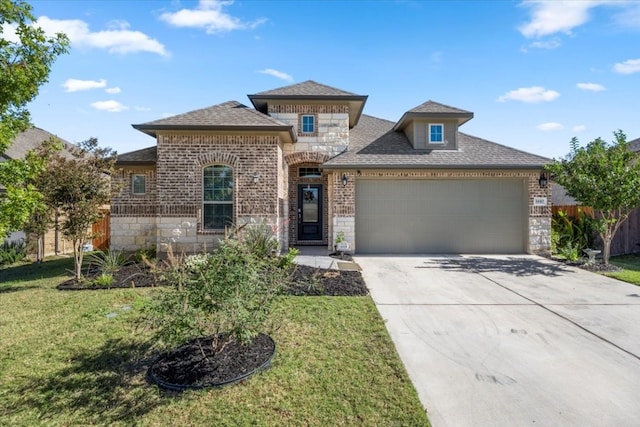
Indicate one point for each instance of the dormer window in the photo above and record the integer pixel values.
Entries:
(308, 124)
(436, 134)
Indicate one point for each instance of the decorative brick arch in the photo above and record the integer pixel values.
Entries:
(218, 157)
(305, 157)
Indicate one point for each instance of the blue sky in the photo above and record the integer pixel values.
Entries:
(534, 73)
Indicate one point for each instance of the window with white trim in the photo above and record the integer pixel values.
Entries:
(138, 184)
(436, 133)
(217, 197)
(308, 124)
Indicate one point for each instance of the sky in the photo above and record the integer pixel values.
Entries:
(535, 74)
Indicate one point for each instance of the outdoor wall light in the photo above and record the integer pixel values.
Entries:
(255, 178)
(542, 180)
(344, 179)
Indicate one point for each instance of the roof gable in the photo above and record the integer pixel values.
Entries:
(308, 88)
(311, 92)
(433, 110)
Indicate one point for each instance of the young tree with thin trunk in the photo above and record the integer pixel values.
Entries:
(26, 57)
(77, 189)
(605, 177)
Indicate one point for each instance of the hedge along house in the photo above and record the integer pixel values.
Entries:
(308, 161)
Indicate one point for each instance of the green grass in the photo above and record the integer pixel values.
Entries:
(63, 361)
(631, 268)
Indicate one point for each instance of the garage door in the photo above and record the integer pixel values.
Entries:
(440, 216)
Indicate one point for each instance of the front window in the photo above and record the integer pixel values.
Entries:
(138, 184)
(217, 198)
(309, 173)
(308, 124)
(436, 134)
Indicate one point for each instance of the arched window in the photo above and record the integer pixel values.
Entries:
(217, 197)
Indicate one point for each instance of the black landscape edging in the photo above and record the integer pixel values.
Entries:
(182, 387)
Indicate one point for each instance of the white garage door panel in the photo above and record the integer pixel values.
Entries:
(440, 216)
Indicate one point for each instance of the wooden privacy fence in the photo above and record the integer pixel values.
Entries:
(102, 232)
(627, 239)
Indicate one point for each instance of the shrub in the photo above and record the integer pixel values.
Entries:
(108, 262)
(226, 295)
(12, 252)
(570, 235)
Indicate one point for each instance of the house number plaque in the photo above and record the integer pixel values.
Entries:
(539, 201)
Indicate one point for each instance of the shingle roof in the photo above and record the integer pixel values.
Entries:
(635, 145)
(31, 139)
(230, 113)
(374, 144)
(144, 156)
(311, 90)
(308, 88)
(559, 196)
(435, 107)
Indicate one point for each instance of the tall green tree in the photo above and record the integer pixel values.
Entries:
(77, 189)
(605, 176)
(26, 57)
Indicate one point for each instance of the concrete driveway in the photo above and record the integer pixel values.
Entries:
(512, 340)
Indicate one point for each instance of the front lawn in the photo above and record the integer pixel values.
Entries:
(631, 268)
(79, 358)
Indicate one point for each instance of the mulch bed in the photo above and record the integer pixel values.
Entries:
(307, 281)
(129, 276)
(313, 281)
(596, 267)
(194, 365)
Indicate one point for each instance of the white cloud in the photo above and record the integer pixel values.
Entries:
(138, 108)
(278, 74)
(116, 39)
(530, 95)
(551, 126)
(111, 106)
(545, 44)
(629, 17)
(593, 87)
(209, 16)
(75, 85)
(550, 17)
(579, 128)
(629, 66)
(114, 89)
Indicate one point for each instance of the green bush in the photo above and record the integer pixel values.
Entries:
(108, 262)
(570, 235)
(227, 295)
(12, 252)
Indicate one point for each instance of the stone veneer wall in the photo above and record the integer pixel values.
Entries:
(539, 218)
(332, 127)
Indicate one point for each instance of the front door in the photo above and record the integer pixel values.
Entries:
(310, 212)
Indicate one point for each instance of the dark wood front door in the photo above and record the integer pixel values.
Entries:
(309, 212)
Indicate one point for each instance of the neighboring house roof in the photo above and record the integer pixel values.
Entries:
(228, 116)
(311, 91)
(434, 110)
(375, 144)
(30, 140)
(635, 145)
(559, 196)
(144, 156)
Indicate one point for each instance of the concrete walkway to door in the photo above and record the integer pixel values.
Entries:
(512, 340)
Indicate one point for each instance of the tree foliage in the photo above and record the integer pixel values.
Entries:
(77, 189)
(605, 176)
(26, 57)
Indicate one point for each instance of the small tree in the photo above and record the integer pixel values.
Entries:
(77, 188)
(25, 63)
(605, 177)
